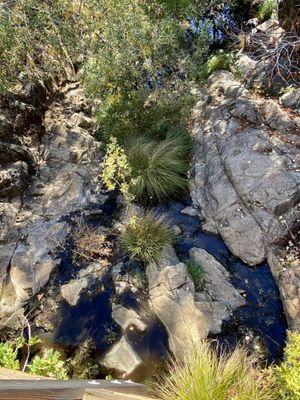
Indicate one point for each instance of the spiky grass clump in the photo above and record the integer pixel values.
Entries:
(288, 372)
(205, 376)
(145, 237)
(158, 169)
(197, 274)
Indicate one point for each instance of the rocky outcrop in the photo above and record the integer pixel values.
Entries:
(187, 317)
(247, 171)
(42, 183)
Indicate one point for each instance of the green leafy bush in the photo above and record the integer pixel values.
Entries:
(288, 373)
(50, 364)
(197, 274)
(267, 8)
(205, 376)
(145, 237)
(116, 170)
(218, 61)
(9, 354)
(158, 168)
(38, 39)
(152, 114)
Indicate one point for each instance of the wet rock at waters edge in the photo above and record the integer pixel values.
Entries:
(86, 278)
(247, 171)
(121, 359)
(127, 318)
(217, 279)
(187, 317)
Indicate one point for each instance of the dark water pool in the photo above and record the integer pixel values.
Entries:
(259, 323)
(262, 320)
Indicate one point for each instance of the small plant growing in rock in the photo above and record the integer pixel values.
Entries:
(288, 373)
(197, 274)
(218, 61)
(145, 237)
(50, 364)
(111, 336)
(91, 245)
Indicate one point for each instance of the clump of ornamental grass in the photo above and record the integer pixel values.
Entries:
(288, 373)
(197, 274)
(145, 237)
(204, 375)
(158, 169)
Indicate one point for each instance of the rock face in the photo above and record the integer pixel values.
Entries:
(188, 318)
(247, 170)
(44, 179)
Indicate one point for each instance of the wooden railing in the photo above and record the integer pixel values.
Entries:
(16, 385)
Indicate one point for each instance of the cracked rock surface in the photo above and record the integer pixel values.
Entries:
(247, 176)
(45, 177)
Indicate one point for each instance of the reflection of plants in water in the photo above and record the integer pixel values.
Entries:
(111, 335)
(81, 364)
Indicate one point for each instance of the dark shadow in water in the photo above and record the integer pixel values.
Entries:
(263, 316)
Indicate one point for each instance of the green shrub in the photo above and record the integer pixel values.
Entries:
(49, 365)
(218, 61)
(9, 354)
(267, 8)
(116, 170)
(197, 274)
(158, 169)
(205, 376)
(145, 237)
(38, 39)
(151, 114)
(288, 373)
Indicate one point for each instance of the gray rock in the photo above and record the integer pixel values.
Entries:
(172, 298)
(86, 278)
(13, 178)
(72, 290)
(191, 211)
(122, 359)
(66, 180)
(291, 100)
(247, 168)
(216, 279)
(216, 312)
(127, 318)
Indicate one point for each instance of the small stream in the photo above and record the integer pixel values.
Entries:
(259, 324)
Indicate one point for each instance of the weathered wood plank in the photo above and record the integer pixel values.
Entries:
(61, 390)
(112, 395)
(10, 374)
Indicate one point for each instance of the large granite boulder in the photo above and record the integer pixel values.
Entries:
(188, 317)
(247, 169)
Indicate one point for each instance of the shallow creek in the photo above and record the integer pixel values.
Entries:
(260, 324)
